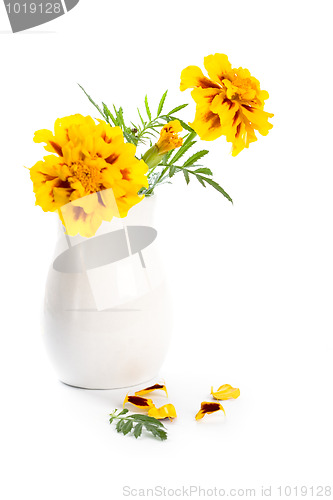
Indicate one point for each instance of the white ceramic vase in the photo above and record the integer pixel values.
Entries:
(106, 320)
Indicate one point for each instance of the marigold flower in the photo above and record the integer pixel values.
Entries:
(208, 407)
(225, 392)
(229, 102)
(166, 411)
(139, 402)
(169, 137)
(92, 175)
(167, 141)
(152, 388)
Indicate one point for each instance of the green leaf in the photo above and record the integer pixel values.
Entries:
(178, 108)
(108, 114)
(187, 177)
(167, 156)
(120, 425)
(145, 418)
(120, 116)
(92, 101)
(127, 427)
(161, 104)
(147, 108)
(136, 422)
(172, 171)
(200, 180)
(137, 430)
(195, 157)
(190, 137)
(181, 151)
(142, 120)
(160, 433)
(217, 187)
(123, 412)
(205, 171)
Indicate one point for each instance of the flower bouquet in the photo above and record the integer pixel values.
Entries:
(103, 287)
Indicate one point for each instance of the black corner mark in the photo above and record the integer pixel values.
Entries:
(25, 14)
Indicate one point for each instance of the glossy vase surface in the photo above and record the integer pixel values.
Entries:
(106, 318)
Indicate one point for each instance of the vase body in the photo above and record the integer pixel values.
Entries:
(106, 318)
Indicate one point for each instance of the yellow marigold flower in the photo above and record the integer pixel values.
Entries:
(169, 137)
(92, 175)
(166, 411)
(152, 388)
(208, 407)
(142, 403)
(229, 102)
(167, 141)
(225, 392)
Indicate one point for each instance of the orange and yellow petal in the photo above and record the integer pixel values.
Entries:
(169, 138)
(152, 388)
(76, 221)
(217, 67)
(207, 124)
(205, 97)
(166, 411)
(139, 402)
(208, 408)
(225, 392)
(192, 77)
(258, 119)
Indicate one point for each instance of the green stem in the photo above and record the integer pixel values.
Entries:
(152, 157)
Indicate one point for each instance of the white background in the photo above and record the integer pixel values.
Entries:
(252, 282)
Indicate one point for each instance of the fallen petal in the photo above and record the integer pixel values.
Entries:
(166, 411)
(225, 392)
(207, 408)
(138, 402)
(152, 388)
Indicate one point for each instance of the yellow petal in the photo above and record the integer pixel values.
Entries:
(225, 392)
(152, 388)
(208, 407)
(139, 402)
(43, 135)
(192, 77)
(205, 96)
(166, 411)
(88, 203)
(207, 124)
(217, 66)
(169, 139)
(258, 119)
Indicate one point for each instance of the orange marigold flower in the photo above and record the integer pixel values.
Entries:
(152, 388)
(225, 392)
(169, 137)
(229, 102)
(208, 407)
(92, 174)
(166, 411)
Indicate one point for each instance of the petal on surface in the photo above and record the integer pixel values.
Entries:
(225, 392)
(207, 407)
(139, 402)
(152, 388)
(166, 411)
